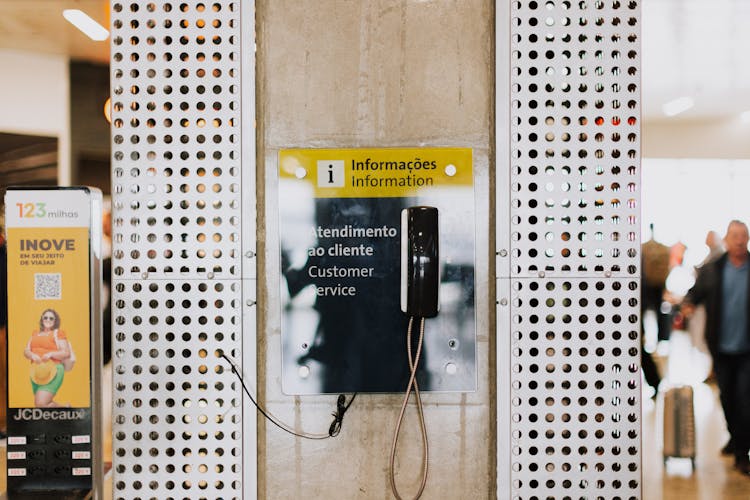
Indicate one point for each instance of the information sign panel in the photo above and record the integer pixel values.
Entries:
(341, 241)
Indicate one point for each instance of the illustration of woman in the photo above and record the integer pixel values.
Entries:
(46, 350)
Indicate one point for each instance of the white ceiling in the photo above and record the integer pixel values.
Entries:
(695, 48)
(38, 26)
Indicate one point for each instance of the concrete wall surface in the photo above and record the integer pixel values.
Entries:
(380, 73)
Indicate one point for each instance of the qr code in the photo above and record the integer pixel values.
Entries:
(47, 286)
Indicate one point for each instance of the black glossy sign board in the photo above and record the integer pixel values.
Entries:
(340, 214)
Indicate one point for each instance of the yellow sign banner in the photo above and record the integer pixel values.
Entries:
(49, 320)
(376, 173)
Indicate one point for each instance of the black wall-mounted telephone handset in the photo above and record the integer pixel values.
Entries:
(420, 280)
(420, 262)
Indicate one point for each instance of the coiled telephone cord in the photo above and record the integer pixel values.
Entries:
(413, 364)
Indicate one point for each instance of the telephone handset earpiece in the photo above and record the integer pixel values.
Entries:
(420, 261)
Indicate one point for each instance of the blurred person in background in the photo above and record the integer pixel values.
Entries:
(697, 324)
(715, 247)
(723, 286)
(655, 258)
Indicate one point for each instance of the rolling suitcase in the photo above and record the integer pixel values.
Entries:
(679, 424)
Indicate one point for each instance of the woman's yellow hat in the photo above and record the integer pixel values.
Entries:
(43, 373)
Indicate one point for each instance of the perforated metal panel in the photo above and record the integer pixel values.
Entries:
(177, 267)
(575, 389)
(567, 209)
(568, 314)
(575, 138)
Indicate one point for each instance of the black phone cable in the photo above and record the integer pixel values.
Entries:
(333, 430)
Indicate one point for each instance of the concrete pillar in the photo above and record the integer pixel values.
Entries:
(380, 73)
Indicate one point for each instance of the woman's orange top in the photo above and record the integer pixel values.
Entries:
(43, 344)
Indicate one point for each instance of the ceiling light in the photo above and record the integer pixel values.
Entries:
(677, 106)
(88, 26)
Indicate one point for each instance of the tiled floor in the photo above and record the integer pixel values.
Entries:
(713, 478)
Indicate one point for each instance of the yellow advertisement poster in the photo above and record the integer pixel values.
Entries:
(48, 300)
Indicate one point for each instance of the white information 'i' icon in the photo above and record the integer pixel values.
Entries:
(330, 173)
